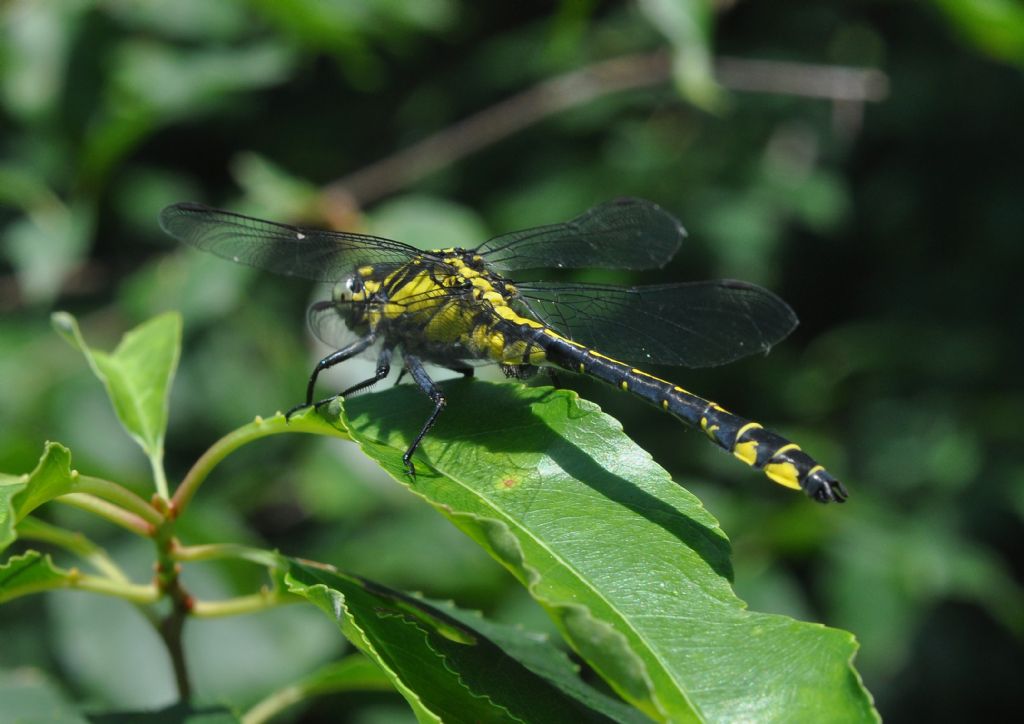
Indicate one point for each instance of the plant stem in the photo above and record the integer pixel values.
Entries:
(242, 604)
(308, 422)
(133, 592)
(156, 462)
(119, 495)
(111, 512)
(84, 582)
(168, 580)
(170, 630)
(219, 551)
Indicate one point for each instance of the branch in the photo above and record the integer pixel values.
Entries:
(836, 83)
(808, 80)
(501, 120)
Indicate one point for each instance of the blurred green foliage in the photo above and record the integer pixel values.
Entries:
(892, 228)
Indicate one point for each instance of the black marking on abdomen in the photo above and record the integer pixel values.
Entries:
(781, 460)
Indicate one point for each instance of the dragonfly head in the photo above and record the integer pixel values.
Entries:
(347, 296)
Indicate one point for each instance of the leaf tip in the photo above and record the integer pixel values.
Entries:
(64, 323)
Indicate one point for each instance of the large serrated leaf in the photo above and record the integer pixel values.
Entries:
(453, 665)
(631, 567)
(137, 374)
(20, 495)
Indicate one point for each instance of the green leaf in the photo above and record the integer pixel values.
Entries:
(426, 221)
(10, 486)
(452, 665)
(20, 495)
(353, 673)
(31, 572)
(47, 243)
(629, 565)
(270, 190)
(995, 26)
(137, 376)
(687, 26)
(28, 696)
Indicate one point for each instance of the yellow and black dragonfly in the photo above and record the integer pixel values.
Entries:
(456, 308)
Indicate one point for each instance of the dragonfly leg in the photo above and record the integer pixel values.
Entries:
(327, 362)
(383, 369)
(466, 371)
(430, 388)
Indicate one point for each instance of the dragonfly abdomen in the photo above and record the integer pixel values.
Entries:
(780, 459)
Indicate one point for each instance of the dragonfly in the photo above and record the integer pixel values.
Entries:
(457, 308)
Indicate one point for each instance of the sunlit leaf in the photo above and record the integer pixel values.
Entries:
(10, 486)
(137, 374)
(995, 26)
(30, 572)
(629, 565)
(20, 495)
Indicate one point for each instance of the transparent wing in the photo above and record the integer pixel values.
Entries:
(328, 325)
(620, 234)
(700, 324)
(324, 256)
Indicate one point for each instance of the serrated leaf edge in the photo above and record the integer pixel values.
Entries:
(339, 609)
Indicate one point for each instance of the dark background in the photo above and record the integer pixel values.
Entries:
(891, 223)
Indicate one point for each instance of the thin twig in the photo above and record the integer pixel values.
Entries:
(251, 603)
(113, 513)
(120, 496)
(835, 83)
(501, 120)
(808, 80)
(221, 551)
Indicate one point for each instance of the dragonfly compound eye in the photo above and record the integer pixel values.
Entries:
(344, 290)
